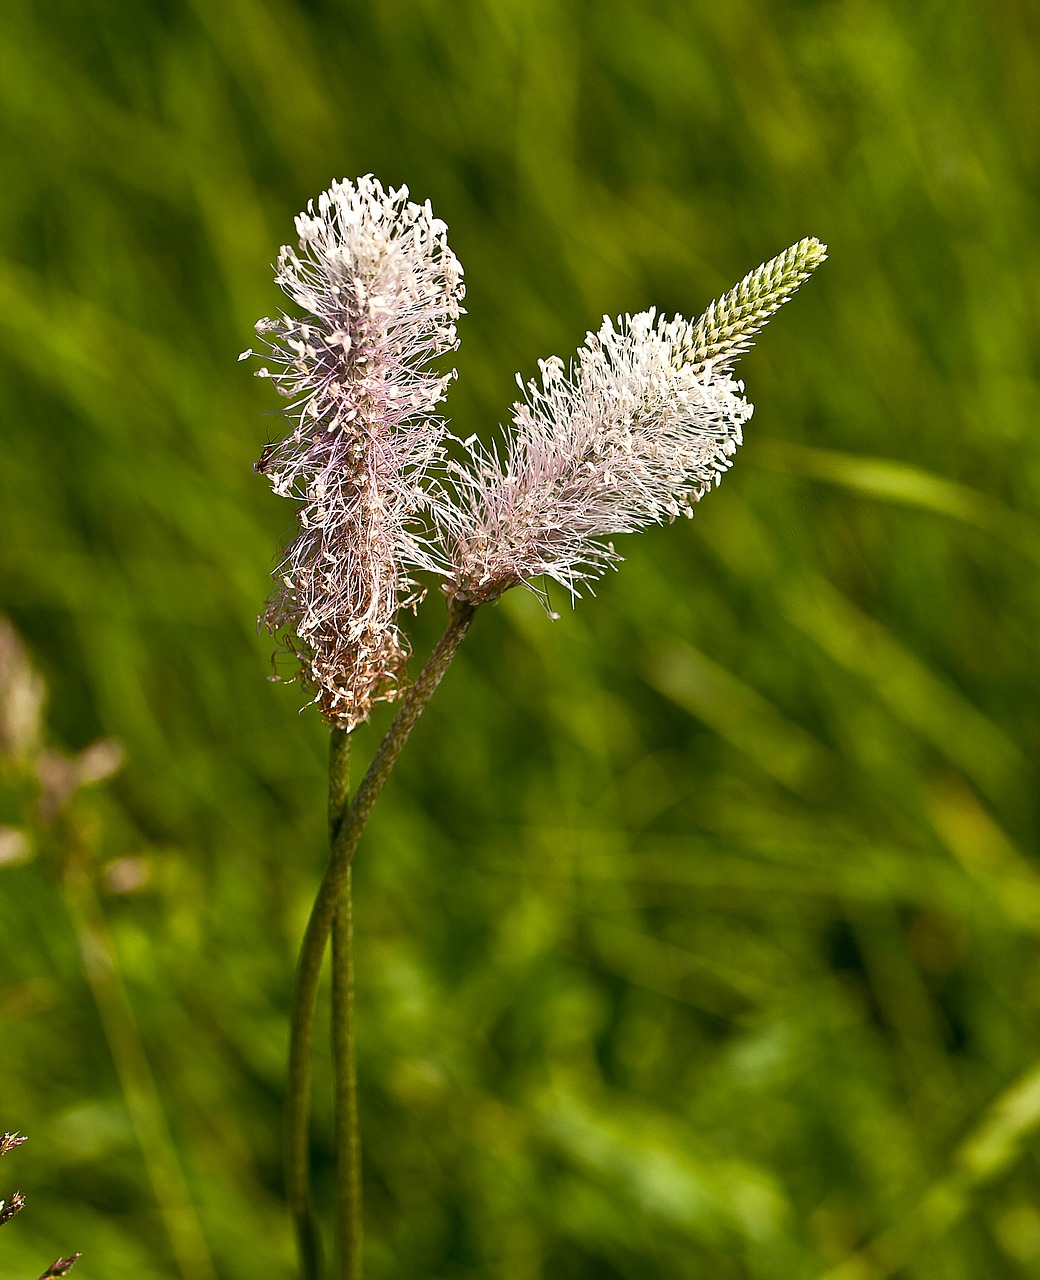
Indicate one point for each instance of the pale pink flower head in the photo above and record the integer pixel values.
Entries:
(382, 292)
(640, 426)
(621, 440)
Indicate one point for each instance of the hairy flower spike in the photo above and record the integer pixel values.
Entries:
(383, 292)
(643, 423)
(725, 330)
(627, 437)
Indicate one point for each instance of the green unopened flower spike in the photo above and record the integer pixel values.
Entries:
(725, 330)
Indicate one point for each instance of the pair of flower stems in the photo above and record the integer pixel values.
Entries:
(641, 424)
(331, 916)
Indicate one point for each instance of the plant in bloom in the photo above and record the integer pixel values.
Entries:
(640, 425)
(643, 423)
(382, 292)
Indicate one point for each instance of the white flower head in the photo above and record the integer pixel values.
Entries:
(621, 440)
(382, 291)
(641, 425)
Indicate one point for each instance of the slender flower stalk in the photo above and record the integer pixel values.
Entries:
(320, 924)
(344, 1055)
(344, 1048)
(344, 1069)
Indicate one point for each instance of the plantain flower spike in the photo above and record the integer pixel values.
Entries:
(643, 423)
(382, 292)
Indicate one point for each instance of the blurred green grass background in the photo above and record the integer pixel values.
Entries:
(698, 930)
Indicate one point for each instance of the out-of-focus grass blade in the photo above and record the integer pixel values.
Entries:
(994, 1144)
(987, 853)
(749, 722)
(905, 485)
(655, 1162)
(911, 691)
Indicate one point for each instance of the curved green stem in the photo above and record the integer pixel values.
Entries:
(319, 926)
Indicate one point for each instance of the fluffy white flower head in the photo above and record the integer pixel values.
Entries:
(382, 292)
(641, 425)
(623, 439)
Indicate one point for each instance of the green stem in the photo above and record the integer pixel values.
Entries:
(344, 1052)
(339, 779)
(344, 1055)
(308, 1235)
(319, 926)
